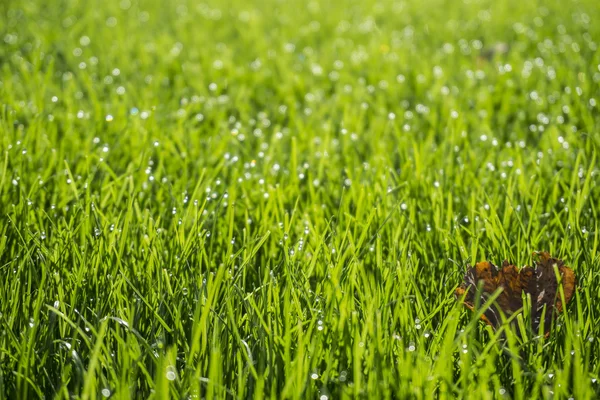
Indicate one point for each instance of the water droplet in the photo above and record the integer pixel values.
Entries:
(171, 375)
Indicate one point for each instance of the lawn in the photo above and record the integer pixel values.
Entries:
(277, 199)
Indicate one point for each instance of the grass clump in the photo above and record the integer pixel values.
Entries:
(278, 199)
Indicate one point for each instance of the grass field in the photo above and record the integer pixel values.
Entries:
(278, 198)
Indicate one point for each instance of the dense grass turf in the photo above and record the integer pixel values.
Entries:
(278, 199)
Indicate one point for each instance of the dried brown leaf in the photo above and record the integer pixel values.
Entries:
(539, 282)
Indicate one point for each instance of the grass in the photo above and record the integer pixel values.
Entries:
(278, 199)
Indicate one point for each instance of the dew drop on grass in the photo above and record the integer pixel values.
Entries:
(411, 347)
(314, 375)
(171, 375)
(106, 392)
